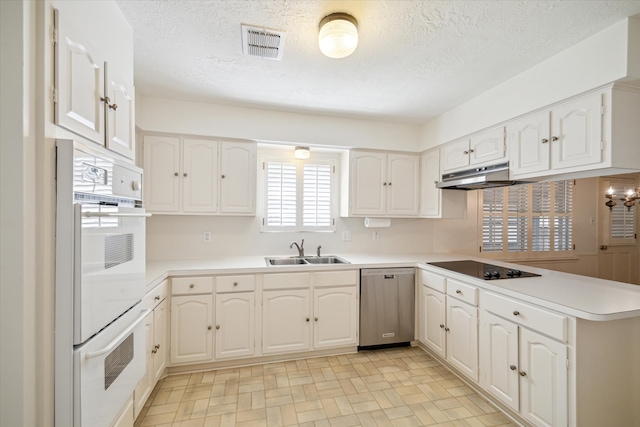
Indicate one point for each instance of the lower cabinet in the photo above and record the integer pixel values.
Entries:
(191, 328)
(286, 321)
(462, 336)
(235, 316)
(335, 317)
(525, 370)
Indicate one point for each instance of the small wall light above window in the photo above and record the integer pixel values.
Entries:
(302, 152)
(338, 37)
(629, 198)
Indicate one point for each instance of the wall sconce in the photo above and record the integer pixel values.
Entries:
(629, 198)
(302, 153)
(338, 36)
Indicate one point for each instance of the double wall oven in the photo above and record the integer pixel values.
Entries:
(100, 267)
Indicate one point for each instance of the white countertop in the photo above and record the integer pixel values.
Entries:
(580, 296)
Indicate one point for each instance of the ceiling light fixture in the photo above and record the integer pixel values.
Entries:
(302, 153)
(338, 36)
(629, 198)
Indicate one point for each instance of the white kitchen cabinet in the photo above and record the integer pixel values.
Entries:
(199, 176)
(235, 316)
(335, 315)
(191, 329)
(160, 348)
(434, 311)
(434, 202)
(479, 149)
(592, 132)
(383, 184)
(462, 336)
(286, 321)
(94, 94)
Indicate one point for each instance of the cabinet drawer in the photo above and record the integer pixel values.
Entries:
(336, 278)
(538, 319)
(286, 281)
(433, 281)
(462, 291)
(156, 295)
(235, 283)
(191, 285)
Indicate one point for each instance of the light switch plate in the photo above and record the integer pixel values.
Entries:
(346, 236)
(206, 237)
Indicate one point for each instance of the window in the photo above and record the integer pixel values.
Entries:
(527, 221)
(622, 229)
(300, 195)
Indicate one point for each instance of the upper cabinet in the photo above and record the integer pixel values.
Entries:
(479, 149)
(590, 135)
(434, 202)
(94, 94)
(199, 176)
(383, 184)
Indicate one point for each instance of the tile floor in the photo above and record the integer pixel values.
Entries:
(393, 387)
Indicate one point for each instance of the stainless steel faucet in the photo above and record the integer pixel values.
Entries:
(300, 248)
(319, 247)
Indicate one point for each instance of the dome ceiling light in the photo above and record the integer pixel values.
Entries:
(338, 36)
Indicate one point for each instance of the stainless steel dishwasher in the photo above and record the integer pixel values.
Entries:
(387, 307)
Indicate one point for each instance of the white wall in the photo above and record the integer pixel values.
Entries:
(608, 56)
(164, 115)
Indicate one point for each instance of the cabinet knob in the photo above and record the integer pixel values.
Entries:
(458, 291)
(157, 298)
(191, 286)
(223, 176)
(554, 138)
(106, 99)
(389, 183)
(315, 318)
(441, 325)
(175, 174)
(208, 328)
(523, 374)
(154, 351)
(307, 319)
(446, 329)
(516, 313)
(544, 140)
(157, 346)
(471, 150)
(217, 326)
(235, 283)
(384, 183)
(435, 182)
(114, 107)
(184, 174)
(512, 367)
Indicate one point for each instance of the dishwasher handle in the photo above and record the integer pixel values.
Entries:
(389, 276)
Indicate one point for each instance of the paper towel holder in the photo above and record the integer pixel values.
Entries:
(377, 222)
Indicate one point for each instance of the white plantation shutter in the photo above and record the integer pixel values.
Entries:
(538, 220)
(281, 194)
(317, 196)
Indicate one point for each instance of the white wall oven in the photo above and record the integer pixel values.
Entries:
(100, 268)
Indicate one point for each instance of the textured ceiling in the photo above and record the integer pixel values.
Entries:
(415, 59)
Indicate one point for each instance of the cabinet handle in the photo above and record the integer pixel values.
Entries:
(435, 182)
(512, 367)
(389, 184)
(384, 183)
(441, 325)
(217, 326)
(446, 329)
(106, 99)
(471, 150)
(154, 351)
(235, 283)
(523, 374)
(544, 140)
(315, 318)
(516, 313)
(157, 298)
(208, 328)
(175, 174)
(157, 347)
(184, 174)
(223, 176)
(114, 107)
(465, 152)
(307, 319)
(191, 286)
(554, 138)
(458, 291)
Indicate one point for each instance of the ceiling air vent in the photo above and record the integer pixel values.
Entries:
(263, 43)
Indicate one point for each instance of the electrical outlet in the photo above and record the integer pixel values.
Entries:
(375, 236)
(206, 237)
(346, 236)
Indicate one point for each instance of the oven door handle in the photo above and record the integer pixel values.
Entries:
(117, 215)
(119, 338)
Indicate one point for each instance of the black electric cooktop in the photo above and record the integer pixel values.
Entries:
(483, 270)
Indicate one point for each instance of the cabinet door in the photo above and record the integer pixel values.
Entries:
(368, 183)
(191, 329)
(487, 146)
(237, 178)
(120, 117)
(435, 314)
(160, 347)
(462, 338)
(199, 175)
(79, 83)
(335, 315)
(147, 382)
(429, 177)
(403, 178)
(499, 359)
(161, 174)
(235, 325)
(286, 321)
(578, 128)
(529, 144)
(543, 379)
(455, 155)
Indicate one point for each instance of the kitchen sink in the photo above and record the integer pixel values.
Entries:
(329, 259)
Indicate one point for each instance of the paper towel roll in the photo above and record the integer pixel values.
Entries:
(377, 222)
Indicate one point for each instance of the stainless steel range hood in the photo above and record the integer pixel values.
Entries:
(478, 178)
